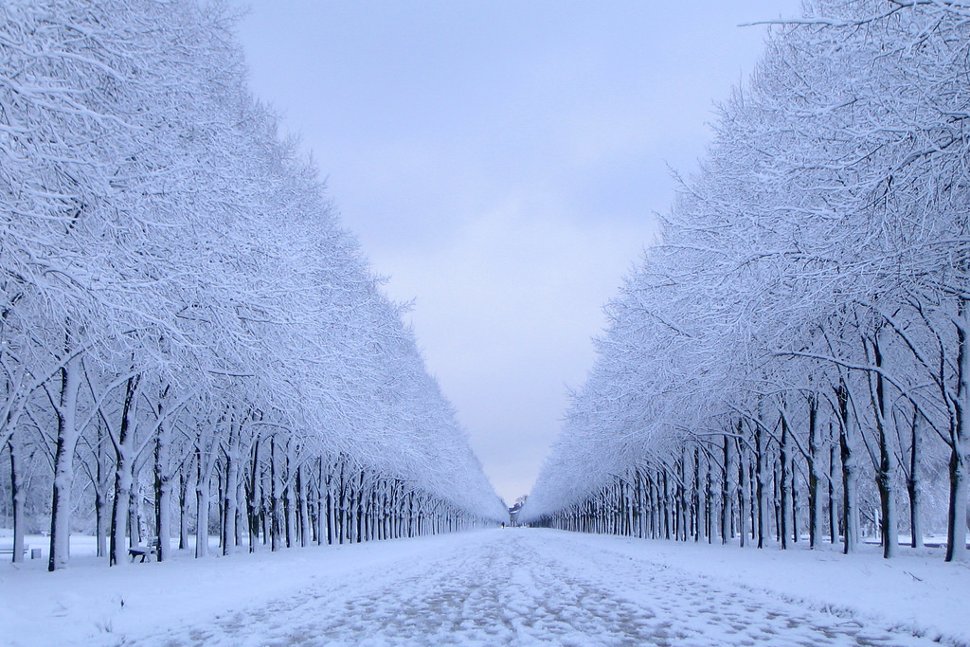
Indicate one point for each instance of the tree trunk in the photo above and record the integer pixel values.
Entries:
(342, 505)
(231, 493)
(814, 500)
(135, 516)
(100, 512)
(760, 493)
(331, 508)
(240, 507)
(118, 550)
(17, 495)
(794, 498)
(784, 528)
(202, 495)
(956, 527)
(884, 472)
(744, 503)
(67, 437)
(833, 500)
(184, 507)
(360, 509)
(776, 500)
(666, 495)
(956, 533)
(321, 503)
(850, 497)
(304, 513)
(289, 504)
(274, 498)
(100, 492)
(163, 492)
(254, 502)
(912, 485)
(726, 496)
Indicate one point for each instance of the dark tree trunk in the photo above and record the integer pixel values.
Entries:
(884, 472)
(850, 509)
(833, 500)
(760, 494)
(784, 530)
(912, 485)
(814, 501)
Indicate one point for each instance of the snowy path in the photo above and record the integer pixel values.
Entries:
(521, 587)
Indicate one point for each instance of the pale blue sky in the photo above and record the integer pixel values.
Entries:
(502, 161)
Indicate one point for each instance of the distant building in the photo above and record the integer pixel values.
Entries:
(514, 510)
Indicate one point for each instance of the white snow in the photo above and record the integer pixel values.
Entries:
(511, 586)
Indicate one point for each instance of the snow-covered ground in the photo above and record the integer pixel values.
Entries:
(512, 586)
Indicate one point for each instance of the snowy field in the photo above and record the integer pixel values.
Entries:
(515, 587)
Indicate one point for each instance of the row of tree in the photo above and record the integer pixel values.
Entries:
(181, 314)
(793, 356)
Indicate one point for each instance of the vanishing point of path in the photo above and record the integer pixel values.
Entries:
(528, 587)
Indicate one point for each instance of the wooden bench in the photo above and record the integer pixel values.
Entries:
(144, 552)
(8, 550)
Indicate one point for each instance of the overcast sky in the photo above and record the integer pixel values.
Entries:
(502, 163)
